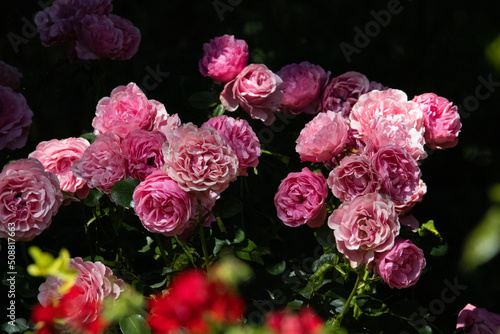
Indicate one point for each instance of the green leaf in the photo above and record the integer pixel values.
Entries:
(147, 247)
(89, 136)
(93, 197)
(219, 110)
(295, 305)
(429, 226)
(276, 268)
(440, 250)
(134, 324)
(325, 258)
(122, 191)
(202, 100)
(20, 326)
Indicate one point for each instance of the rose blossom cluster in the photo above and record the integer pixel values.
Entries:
(15, 114)
(78, 310)
(371, 140)
(88, 30)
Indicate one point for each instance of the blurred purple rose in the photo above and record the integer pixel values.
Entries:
(257, 90)
(300, 199)
(223, 58)
(143, 150)
(343, 92)
(9, 76)
(476, 320)
(29, 197)
(401, 266)
(302, 85)
(241, 137)
(15, 119)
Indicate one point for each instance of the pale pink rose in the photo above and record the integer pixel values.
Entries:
(223, 58)
(363, 227)
(323, 138)
(56, 23)
(302, 86)
(300, 199)
(417, 196)
(343, 92)
(162, 206)
(399, 171)
(257, 90)
(401, 266)
(441, 120)
(95, 282)
(476, 320)
(9, 76)
(126, 110)
(381, 103)
(164, 122)
(15, 119)
(241, 137)
(143, 150)
(106, 36)
(103, 163)
(355, 176)
(389, 130)
(199, 160)
(58, 157)
(29, 197)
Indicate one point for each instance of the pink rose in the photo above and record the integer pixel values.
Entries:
(257, 90)
(95, 282)
(343, 92)
(401, 266)
(143, 150)
(101, 36)
(323, 138)
(376, 103)
(475, 320)
(207, 202)
(399, 171)
(389, 130)
(199, 159)
(355, 176)
(164, 122)
(15, 119)
(376, 86)
(29, 197)
(363, 227)
(441, 120)
(241, 137)
(162, 205)
(126, 110)
(9, 76)
(58, 157)
(417, 196)
(300, 199)
(103, 163)
(223, 58)
(302, 85)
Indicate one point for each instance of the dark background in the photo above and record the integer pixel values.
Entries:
(429, 46)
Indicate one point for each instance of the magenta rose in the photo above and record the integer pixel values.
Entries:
(127, 109)
(401, 266)
(323, 138)
(58, 157)
(56, 23)
(29, 197)
(101, 36)
(399, 171)
(95, 281)
(476, 320)
(417, 196)
(143, 150)
(302, 85)
(355, 176)
(103, 163)
(441, 121)
(376, 103)
(343, 92)
(374, 85)
(15, 119)
(223, 58)
(363, 227)
(9, 76)
(162, 206)
(199, 160)
(300, 199)
(257, 90)
(241, 137)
